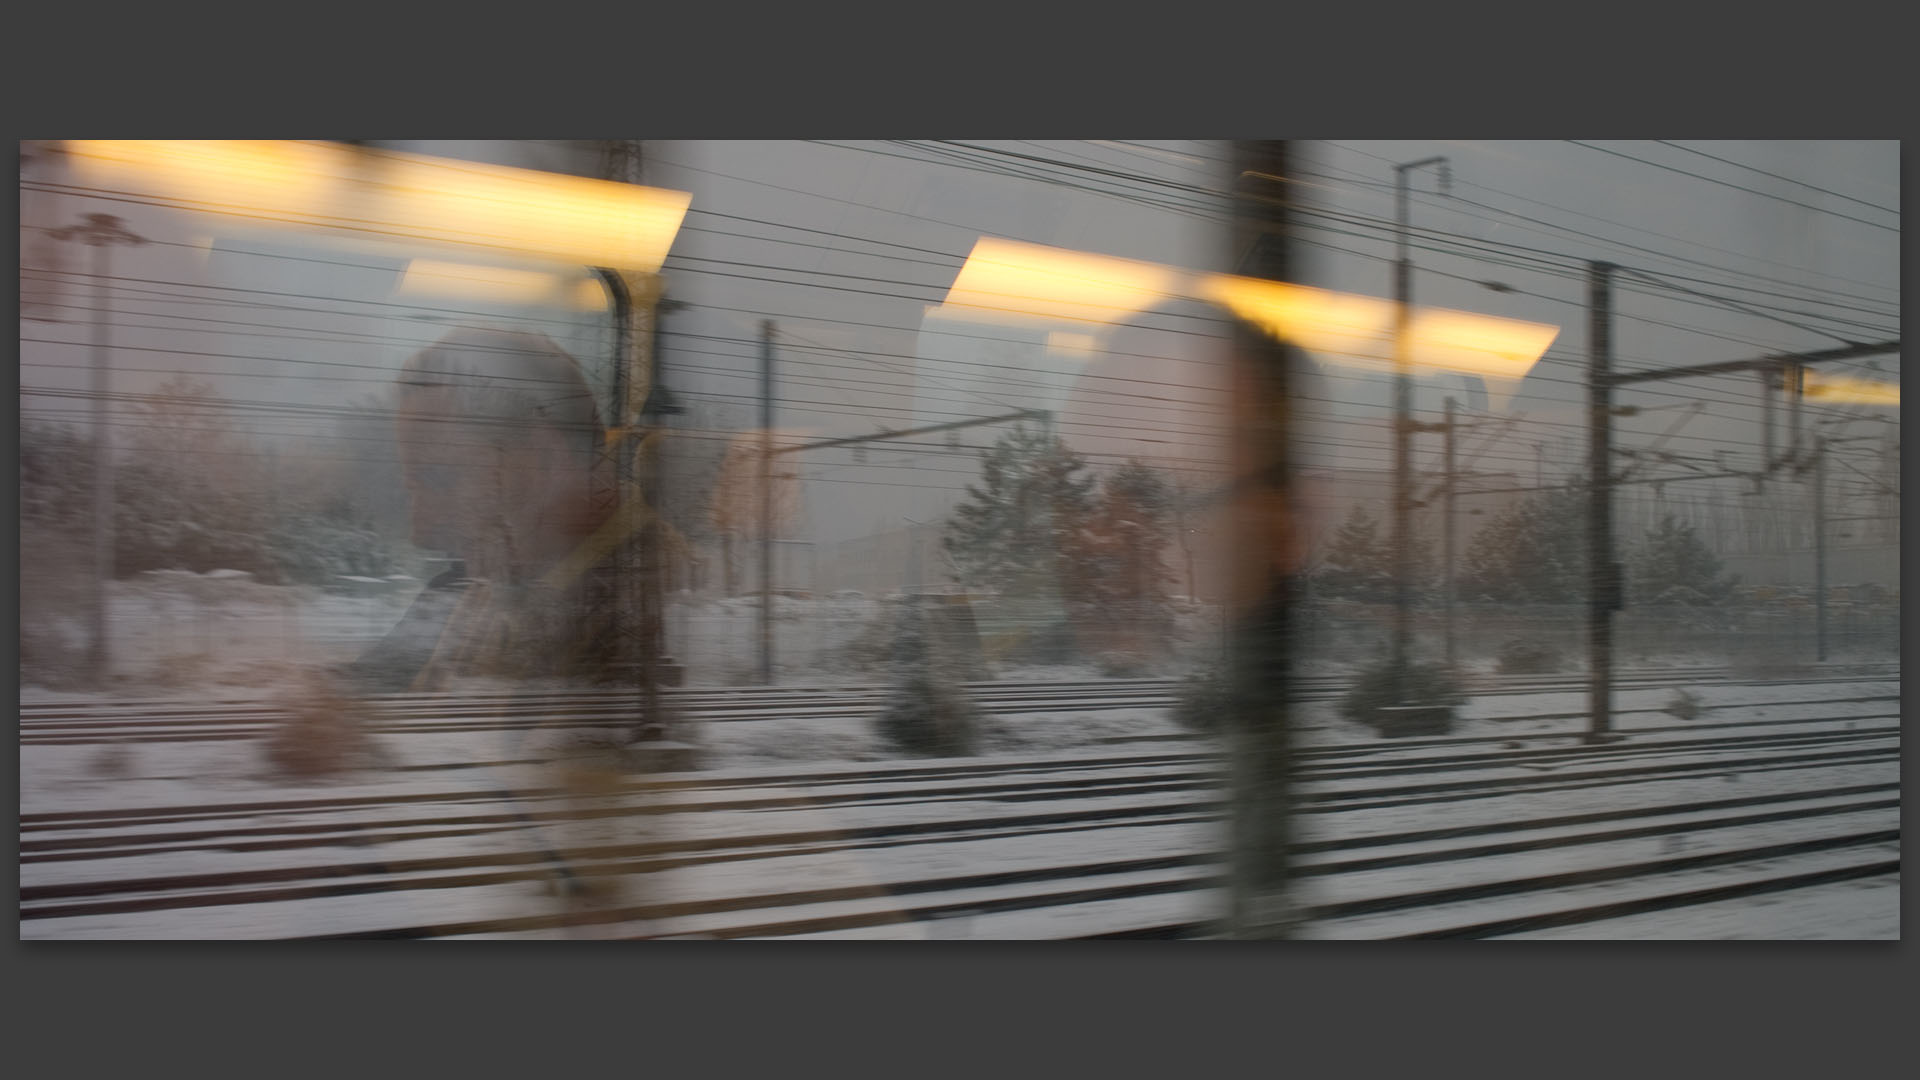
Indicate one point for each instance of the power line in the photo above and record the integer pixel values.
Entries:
(1738, 187)
(1672, 258)
(1099, 391)
(1482, 257)
(1608, 221)
(1777, 176)
(803, 285)
(1735, 305)
(573, 323)
(1000, 340)
(951, 255)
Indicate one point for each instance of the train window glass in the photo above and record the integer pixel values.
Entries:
(253, 395)
(1222, 501)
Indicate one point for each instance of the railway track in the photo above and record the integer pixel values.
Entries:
(1453, 836)
(184, 721)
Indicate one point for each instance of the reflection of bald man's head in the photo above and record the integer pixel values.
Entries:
(498, 436)
(1155, 389)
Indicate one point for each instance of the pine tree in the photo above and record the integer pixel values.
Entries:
(1672, 565)
(1116, 577)
(928, 711)
(193, 495)
(1186, 513)
(1027, 510)
(1356, 566)
(1359, 563)
(1533, 552)
(56, 476)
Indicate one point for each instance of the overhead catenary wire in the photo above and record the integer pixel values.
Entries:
(1777, 176)
(984, 337)
(1164, 460)
(1103, 393)
(1739, 187)
(869, 240)
(799, 270)
(1448, 201)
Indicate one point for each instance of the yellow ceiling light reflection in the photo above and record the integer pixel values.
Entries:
(1847, 390)
(1471, 344)
(567, 218)
(1008, 282)
(1008, 279)
(589, 294)
(1071, 344)
(1341, 327)
(500, 285)
(1357, 331)
(401, 198)
(285, 182)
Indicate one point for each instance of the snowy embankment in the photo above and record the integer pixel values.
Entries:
(1069, 824)
(221, 635)
(1771, 813)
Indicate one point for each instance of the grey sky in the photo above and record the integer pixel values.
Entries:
(845, 246)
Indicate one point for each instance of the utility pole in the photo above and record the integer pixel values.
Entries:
(1796, 379)
(1603, 575)
(1820, 547)
(1447, 595)
(1403, 419)
(657, 412)
(1769, 385)
(100, 232)
(1044, 416)
(1602, 578)
(766, 502)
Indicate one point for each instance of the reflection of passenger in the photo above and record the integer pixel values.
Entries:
(499, 438)
(500, 442)
(1164, 389)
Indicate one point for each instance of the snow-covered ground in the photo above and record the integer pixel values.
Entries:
(182, 634)
(62, 778)
(185, 634)
(793, 775)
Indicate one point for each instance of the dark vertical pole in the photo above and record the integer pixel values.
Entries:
(650, 585)
(1259, 747)
(1403, 417)
(1601, 583)
(614, 592)
(1769, 379)
(1447, 584)
(766, 502)
(1820, 547)
(1796, 380)
(99, 658)
(1402, 436)
(660, 570)
(100, 231)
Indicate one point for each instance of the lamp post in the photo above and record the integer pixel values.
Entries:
(1402, 415)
